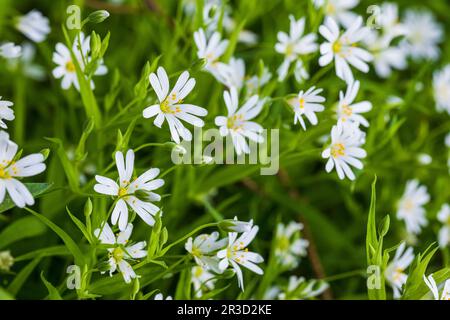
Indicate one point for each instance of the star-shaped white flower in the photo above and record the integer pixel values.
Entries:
(349, 111)
(294, 44)
(237, 124)
(6, 113)
(395, 271)
(171, 106)
(307, 104)
(343, 49)
(237, 254)
(12, 170)
(204, 248)
(431, 283)
(120, 251)
(34, 25)
(441, 89)
(344, 150)
(210, 49)
(444, 232)
(410, 206)
(126, 189)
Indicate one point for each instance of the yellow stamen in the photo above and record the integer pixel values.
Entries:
(337, 150)
(70, 66)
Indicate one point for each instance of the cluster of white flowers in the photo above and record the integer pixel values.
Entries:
(215, 256)
(297, 288)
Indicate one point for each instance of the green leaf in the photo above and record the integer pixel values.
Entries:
(53, 293)
(36, 189)
(22, 276)
(5, 295)
(80, 226)
(44, 252)
(69, 168)
(68, 241)
(20, 229)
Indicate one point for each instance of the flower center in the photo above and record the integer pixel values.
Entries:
(166, 107)
(302, 103)
(122, 192)
(198, 272)
(289, 49)
(70, 66)
(409, 204)
(196, 252)
(283, 243)
(347, 110)
(118, 254)
(337, 47)
(337, 150)
(234, 122)
(330, 9)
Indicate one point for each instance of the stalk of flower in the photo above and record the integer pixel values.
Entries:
(171, 106)
(294, 44)
(444, 233)
(289, 247)
(6, 113)
(431, 283)
(121, 251)
(34, 25)
(204, 249)
(13, 169)
(236, 254)
(343, 48)
(395, 271)
(66, 66)
(237, 124)
(307, 104)
(346, 111)
(344, 150)
(410, 206)
(127, 190)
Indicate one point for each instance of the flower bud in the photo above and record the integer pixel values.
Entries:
(235, 225)
(98, 16)
(6, 260)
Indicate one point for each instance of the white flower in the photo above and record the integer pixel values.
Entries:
(346, 111)
(444, 232)
(298, 288)
(410, 207)
(423, 35)
(294, 44)
(441, 89)
(300, 72)
(431, 283)
(10, 51)
(29, 67)
(6, 113)
(385, 57)
(307, 104)
(171, 106)
(340, 10)
(66, 67)
(202, 280)
(394, 272)
(125, 191)
(34, 25)
(121, 250)
(237, 124)
(160, 296)
(237, 254)
(344, 150)
(236, 225)
(11, 169)
(210, 49)
(6, 260)
(232, 74)
(424, 159)
(254, 83)
(289, 246)
(389, 20)
(343, 48)
(204, 248)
